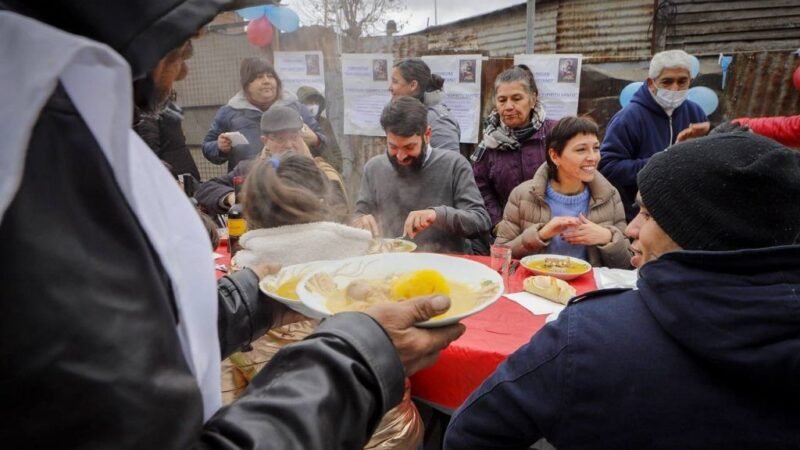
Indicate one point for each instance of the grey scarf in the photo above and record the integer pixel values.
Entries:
(496, 135)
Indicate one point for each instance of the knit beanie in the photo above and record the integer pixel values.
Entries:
(725, 192)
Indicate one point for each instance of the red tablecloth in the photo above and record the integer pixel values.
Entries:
(491, 336)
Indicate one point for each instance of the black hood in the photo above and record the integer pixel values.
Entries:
(142, 31)
(738, 311)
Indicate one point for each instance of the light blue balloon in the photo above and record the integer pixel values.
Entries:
(695, 66)
(627, 92)
(705, 97)
(283, 18)
(253, 12)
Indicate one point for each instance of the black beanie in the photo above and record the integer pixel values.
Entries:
(725, 192)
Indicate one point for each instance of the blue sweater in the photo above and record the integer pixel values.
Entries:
(570, 206)
(637, 132)
(703, 356)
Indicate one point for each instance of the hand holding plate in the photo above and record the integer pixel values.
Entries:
(418, 347)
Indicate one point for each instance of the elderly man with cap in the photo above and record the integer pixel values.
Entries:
(705, 354)
(280, 132)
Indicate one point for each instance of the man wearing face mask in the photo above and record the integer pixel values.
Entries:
(315, 102)
(658, 116)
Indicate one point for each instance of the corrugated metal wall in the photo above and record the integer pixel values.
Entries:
(506, 35)
(616, 30)
(714, 26)
(760, 84)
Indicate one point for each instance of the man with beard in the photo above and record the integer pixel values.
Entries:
(111, 330)
(417, 191)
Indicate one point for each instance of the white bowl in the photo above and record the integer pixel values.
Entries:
(468, 272)
(524, 262)
(270, 284)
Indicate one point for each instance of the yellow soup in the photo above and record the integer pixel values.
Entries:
(288, 289)
(361, 294)
(566, 266)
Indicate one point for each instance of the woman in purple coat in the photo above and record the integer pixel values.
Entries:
(514, 135)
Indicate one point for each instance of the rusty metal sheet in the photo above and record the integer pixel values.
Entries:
(760, 84)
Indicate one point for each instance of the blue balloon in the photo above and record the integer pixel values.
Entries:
(705, 97)
(695, 66)
(253, 12)
(283, 18)
(627, 92)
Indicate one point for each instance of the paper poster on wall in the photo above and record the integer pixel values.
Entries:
(365, 79)
(300, 69)
(558, 77)
(462, 90)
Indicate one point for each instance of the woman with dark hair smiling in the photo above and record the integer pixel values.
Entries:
(568, 208)
(413, 78)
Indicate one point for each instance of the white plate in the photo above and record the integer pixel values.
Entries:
(563, 276)
(386, 245)
(271, 283)
(471, 273)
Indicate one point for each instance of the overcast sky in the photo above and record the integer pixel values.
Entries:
(418, 12)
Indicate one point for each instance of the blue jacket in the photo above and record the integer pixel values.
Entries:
(241, 115)
(706, 354)
(635, 133)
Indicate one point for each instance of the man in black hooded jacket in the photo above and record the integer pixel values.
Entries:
(110, 328)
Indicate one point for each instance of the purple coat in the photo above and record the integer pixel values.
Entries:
(497, 173)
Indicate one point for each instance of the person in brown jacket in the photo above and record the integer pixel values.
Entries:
(568, 208)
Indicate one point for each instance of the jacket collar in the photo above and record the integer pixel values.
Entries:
(240, 101)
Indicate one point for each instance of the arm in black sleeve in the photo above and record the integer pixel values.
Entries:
(244, 313)
(326, 392)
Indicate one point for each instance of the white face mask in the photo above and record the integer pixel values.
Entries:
(313, 109)
(670, 100)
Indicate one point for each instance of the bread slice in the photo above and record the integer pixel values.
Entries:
(550, 288)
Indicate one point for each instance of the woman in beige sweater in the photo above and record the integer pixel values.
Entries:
(568, 207)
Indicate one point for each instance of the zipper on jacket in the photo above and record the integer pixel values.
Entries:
(670, 131)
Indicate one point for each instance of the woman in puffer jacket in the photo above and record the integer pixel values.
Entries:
(568, 208)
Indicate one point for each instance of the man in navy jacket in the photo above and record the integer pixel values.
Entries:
(658, 116)
(704, 354)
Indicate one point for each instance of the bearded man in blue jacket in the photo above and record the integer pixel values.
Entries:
(704, 354)
(658, 116)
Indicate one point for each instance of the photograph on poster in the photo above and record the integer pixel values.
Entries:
(379, 70)
(312, 64)
(466, 73)
(567, 70)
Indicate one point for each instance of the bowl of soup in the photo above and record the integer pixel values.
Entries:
(282, 286)
(557, 266)
(356, 284)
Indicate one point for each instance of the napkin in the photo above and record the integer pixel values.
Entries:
(615, 278)
(535, 304)
(236, 137)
